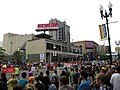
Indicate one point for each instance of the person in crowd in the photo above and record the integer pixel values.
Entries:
(37, 71)
(63, 73)
(115, 79)
(46, 81)
(48, 66)
(48, 84)
(17, 71)
(17, 87)
(101, 81)
(91, 78)
(55, 79)
(3, 78)
(82, 68)
(4, 66)
(29, 86)
(71, 75)
(39, 85)
(103, 70)
(64, 85)
(54, 66)
(48, 73)
(85, 83)
(13, 81)
(3, 86)
(67, 74)
(23, 81)
(31, 78)
(76, 77)
(52, 86)
(41, 76)
(33, 68)
(109, 74)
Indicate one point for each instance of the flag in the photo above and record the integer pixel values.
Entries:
(103, 32)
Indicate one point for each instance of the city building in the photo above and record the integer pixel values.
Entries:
(103, 49)
(89, 49)
(0, 44)
(43, 47)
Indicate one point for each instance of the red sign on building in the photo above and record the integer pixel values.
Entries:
(47, 26)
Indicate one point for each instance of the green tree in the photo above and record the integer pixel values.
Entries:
(2, 54)
(17, 55)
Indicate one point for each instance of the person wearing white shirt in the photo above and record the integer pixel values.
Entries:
(115, 79)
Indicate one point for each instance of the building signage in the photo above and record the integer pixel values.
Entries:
(42, 56)
(89, 44)
(47, 26)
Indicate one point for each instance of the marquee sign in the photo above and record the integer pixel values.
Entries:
(47, 26)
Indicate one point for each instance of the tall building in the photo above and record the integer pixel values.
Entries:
(62, 33)
(59, 30)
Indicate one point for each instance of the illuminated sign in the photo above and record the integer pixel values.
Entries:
(47, 26)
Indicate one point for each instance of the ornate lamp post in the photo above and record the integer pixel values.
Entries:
(106, 15)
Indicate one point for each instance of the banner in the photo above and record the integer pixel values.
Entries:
(47, 26)
(103, 32)
(8, 70)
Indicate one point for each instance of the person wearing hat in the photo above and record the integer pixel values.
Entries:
(30, 84)
(31, 78)
(103, 70)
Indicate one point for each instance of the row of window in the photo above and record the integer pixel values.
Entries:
(62, 48)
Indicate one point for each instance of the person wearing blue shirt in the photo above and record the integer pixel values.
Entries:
(85, 83)
(23, 81)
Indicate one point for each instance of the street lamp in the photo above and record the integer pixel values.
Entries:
(117, 43)
(106, 15)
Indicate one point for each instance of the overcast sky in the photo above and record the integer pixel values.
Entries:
(83, 17)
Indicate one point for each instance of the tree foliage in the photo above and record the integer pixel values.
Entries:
(2, 54)
(17, 55)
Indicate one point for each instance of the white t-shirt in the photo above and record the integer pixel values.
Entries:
(115, 81)
(33, 69)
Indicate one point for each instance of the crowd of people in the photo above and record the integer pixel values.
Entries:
(84, 76)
